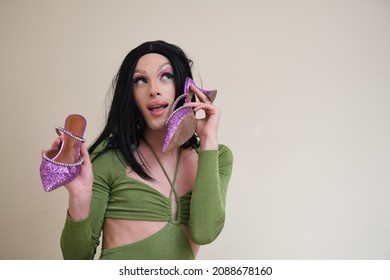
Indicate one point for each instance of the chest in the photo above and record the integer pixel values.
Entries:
(171, 174)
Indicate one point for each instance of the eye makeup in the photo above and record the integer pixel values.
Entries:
(139, 78)
(166, 71)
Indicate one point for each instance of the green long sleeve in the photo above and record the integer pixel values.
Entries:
(80, 239)
(209, 194)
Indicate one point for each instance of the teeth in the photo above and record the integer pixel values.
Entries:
(156, 107)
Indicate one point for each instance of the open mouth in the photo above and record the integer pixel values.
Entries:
(157, 107)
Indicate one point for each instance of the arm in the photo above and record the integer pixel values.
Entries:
(80, 236)
(207, 210)
(208, 200)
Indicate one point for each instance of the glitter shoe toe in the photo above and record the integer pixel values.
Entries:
(59, 167)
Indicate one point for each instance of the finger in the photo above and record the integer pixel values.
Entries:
(57, 143)
(196, 106)
(201, 96)
(84, 153)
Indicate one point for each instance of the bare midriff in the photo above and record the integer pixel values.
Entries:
(119, 232)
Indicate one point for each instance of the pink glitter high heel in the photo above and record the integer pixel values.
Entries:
(60, 167)
(181, 124)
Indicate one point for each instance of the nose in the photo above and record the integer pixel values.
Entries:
(154, 89)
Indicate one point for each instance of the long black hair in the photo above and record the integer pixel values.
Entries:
(125, 124)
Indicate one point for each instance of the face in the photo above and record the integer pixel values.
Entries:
(154, 89)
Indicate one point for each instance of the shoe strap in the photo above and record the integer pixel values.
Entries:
(61, 130)
(177, 101)
(79, 162)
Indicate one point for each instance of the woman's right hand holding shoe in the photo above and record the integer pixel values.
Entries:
(80, 189)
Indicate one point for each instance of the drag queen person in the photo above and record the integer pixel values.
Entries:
(149, 195)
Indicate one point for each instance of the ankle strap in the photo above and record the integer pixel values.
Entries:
(60, 130)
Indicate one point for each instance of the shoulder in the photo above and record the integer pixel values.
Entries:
(101, 148)
(104, 157)
(223, 149)
(225, 153)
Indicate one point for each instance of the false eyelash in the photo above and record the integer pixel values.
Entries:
(168, 74)
(138, 78)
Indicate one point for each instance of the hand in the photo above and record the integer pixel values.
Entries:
(80, 189)
(83, 182)
(206, 128)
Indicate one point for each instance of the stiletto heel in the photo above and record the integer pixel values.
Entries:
(211, 94)
(181, 124)
(62, 166)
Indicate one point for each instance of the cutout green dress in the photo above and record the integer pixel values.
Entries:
(115, 195)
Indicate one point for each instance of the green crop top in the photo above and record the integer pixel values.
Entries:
(115, 195)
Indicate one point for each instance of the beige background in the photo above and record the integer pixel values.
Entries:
(304, 87)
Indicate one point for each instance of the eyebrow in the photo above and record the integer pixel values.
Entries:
(162, 66)
(140, 71)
